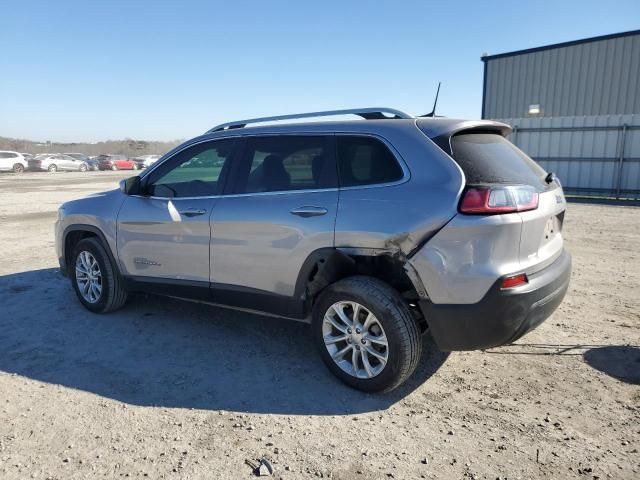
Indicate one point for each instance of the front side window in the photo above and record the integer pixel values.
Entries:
(287, 162)
(195, 172)
(365, 161)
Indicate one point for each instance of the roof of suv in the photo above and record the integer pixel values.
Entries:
(432, 127)
(376, 120)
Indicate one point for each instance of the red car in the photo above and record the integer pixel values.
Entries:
(116, 162)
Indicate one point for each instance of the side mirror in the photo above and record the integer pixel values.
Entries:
(130, 186)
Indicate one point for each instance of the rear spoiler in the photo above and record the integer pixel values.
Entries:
(439, 127)
(440, 130)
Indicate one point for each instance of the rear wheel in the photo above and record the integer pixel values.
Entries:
(53, 167)
(95, 279)
(18, 168)
(114, 167)
(366, 334)
(135, 166)
(83, 168)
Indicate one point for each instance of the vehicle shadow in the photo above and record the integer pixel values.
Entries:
(542, 349)
(171, 353)
(618, 361)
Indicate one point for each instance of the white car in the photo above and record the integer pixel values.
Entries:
(53, 162)
(12, 162)
(147, 160)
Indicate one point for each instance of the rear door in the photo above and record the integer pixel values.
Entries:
(281, 207)
(164, 232)
(488, 159)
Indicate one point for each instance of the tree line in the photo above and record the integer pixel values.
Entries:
(128, 147)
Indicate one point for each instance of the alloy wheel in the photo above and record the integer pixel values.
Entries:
(355, 339)
(88, 277)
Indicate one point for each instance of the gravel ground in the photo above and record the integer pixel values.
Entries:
(172, 389)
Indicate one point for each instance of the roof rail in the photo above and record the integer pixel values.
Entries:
(370, 113)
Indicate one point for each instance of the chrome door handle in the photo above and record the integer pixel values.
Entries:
(309, 211)
(192, 212)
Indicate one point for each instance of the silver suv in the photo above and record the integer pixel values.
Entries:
(373, 231)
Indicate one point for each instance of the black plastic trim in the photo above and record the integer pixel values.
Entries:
(223, 294)
(502, 316)
(79, 227)
(253, 299)
(168, 286)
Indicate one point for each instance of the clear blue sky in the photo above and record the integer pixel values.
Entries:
(89, 71)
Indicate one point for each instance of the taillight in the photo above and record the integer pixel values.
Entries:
(514, 281)
(496, 199)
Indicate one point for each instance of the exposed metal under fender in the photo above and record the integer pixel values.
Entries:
(397, 254)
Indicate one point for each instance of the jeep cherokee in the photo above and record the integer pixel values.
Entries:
(374, 231)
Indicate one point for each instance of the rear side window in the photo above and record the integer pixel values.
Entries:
(8, 155)
(365, 161)
(287, 162)
(490, 158)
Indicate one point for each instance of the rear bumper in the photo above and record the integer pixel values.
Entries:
(502, 316)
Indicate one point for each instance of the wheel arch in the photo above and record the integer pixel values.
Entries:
(328, 265)
(74, 233)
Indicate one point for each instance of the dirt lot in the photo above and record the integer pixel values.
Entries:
(170, 389)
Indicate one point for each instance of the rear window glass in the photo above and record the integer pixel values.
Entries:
(490, 158)
(365, 161)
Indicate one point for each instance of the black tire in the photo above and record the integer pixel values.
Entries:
(18, 168)
(83, 168)
(113, 295)
(402, 332)
(53, 168)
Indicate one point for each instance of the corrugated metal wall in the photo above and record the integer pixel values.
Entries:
(594, 156)
(593, 78)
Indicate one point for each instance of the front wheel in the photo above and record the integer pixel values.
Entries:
(135, 166)
(83, 168)
(114, 167)
(366, 334)
(18, 168)
(53, 168)
(95, 279)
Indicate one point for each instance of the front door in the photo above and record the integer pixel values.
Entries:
(281, 208)
(164, 232)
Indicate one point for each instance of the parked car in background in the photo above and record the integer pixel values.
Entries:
(12, 162)
(92, 164)
(27, 156)
(116, 162)
(52, 162)
(145, 161)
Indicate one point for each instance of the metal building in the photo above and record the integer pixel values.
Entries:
(575, 108)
